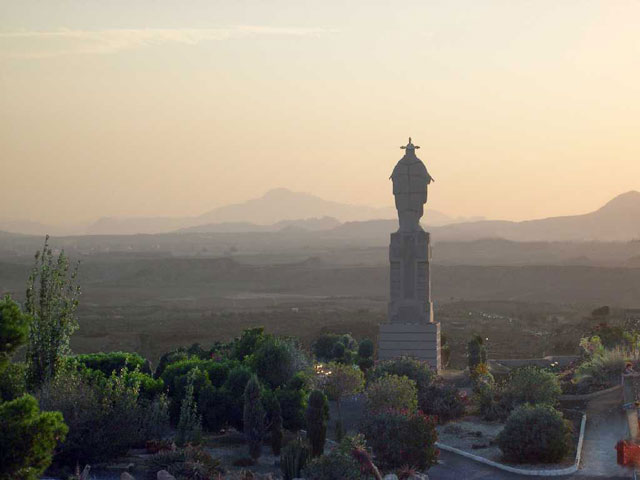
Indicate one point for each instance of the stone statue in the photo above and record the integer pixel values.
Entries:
(410, 180)
(410, 328)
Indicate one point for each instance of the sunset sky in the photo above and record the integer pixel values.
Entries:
(523, 109)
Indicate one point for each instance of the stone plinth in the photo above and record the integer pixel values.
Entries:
(410, 329)
(421, 341)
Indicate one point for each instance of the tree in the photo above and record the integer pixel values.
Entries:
(392, 391)
(253, 418)
(52, 299)
(340, 381)
(532, 385)
(317, 416)
(190, 423)
(28, 438)
(14, 329)
(477, 352)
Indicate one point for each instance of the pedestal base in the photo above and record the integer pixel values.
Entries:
(421, 341)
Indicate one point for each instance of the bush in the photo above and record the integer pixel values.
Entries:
(176, 377)
(317, 417)
(532, 385)
(442, 400)
(104, 416)
(293, 459)
(476, 351)
(28, 438)
(603, 368)
(113, 362)
(253, 418)
(332, 347)
(274, 419)
(189, 463)
(14, 329)
(273, 361)
(391, 392)
(399, 438)
(213, 404)
(190, 423)
(416, 370)
(248, 343)
(168, 358)
(155, 419)
(535, 434)
(13, 381)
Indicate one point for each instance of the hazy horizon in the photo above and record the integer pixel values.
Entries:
(523, 110)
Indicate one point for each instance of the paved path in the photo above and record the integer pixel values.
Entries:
(455, 467)
(606, 425)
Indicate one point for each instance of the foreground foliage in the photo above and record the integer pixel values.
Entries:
(28, 438)
(535, 434)
(399, 438)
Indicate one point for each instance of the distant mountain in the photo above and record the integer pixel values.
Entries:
(283, 204)
(308, 224)
(36, 228)
(272, 210)
(618, 220)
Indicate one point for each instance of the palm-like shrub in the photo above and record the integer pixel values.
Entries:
(535, 434)
(317, 416)
(399, 438)
(391, 392)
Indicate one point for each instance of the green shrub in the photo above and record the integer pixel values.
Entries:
(104, 415)
(330, 347)
(273, 361)
(531, 385)
(155, 419)
(28, 438)
(293, 402)
(213, 404)
(365, 348)
(274, 420)
(248, 343)
(535, 434)
(602, 368)
(338, 463)
(293, 459)
(317, 416)
(113, 362)
(190, 423)
(14, 329)
(13, 381)
(391, 392)
(416, 370)
(400, 438)
(443, 401)
(168, 358)
(253, 418)
(188, 463)
(476, 351)
(177, 375)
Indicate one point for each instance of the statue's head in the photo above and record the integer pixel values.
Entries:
(409, 147)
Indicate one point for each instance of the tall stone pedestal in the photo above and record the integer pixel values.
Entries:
(410, 328)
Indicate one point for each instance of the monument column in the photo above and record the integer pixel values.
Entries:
(410, 328)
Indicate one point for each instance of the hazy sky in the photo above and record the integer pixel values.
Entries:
(522, 108)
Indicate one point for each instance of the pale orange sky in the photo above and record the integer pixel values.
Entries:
(523, 109)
